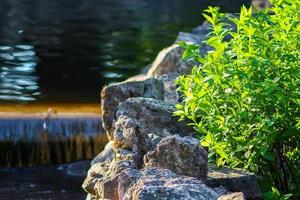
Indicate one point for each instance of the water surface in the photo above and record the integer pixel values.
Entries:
(66, 50)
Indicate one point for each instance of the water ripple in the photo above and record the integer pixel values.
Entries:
(18, 79)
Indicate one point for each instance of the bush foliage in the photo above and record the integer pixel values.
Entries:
(243, 97)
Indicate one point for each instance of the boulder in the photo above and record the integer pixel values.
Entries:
(103, 175)
(261, 4)
(155, 117)
(128, 136)
(234, 181)
(182, 155)
(197, 36)
(156, 183)
(141, 124)
(233, 196)
(169, 61)
(106, 155)
(113, 94)
(171, 94)
(79, 168)
(139, 77)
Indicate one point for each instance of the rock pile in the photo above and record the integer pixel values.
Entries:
(150, 154)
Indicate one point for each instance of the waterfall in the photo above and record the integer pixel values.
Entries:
(15, 127)
(49, 138)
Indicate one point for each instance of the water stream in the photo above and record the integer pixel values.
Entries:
(35, 139)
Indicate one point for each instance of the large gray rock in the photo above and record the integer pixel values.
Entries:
(156, 183)
(169, 61)
(79, 168)
(197, 36)
(113, 94)
(129, 135)
(234, 181)
(182, 155)
(169, 64)
(103, 175)
(143, 122)
(171, 94)
(155, 117)
(106, 155)
(261, 4)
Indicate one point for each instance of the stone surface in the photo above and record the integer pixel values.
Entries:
(139, 77)
(233, 196)
(171, 94)
(79, 168)
(154, 117)
(197, 36)
(102, 175)
(106, 155)
(234, 181)
(156, 183)
(182, 155)
(261, 4)
(113, 94)
(128, 135)
(169, 61)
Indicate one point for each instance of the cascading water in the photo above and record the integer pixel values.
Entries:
(16, 127)
(30, 139)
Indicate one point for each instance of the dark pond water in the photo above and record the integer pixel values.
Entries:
(40, 183)
(66, 50)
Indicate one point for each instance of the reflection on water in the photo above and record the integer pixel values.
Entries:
(82, 45)
(18, 78)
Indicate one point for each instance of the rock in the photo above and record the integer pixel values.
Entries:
(202, 31)
(182, 155)
(142, 123)
(106, 155)
(197, 36)
(79, 168)
(221, 190)
(127, 135)
(139, 77)
(261, 4)
(233, 196)
(102, 175)
(156, 183)
(171, 94)
(169, 61)
(155, 117)
(113, 94)
(234, 181)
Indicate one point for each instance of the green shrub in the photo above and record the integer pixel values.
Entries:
(243, 97)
